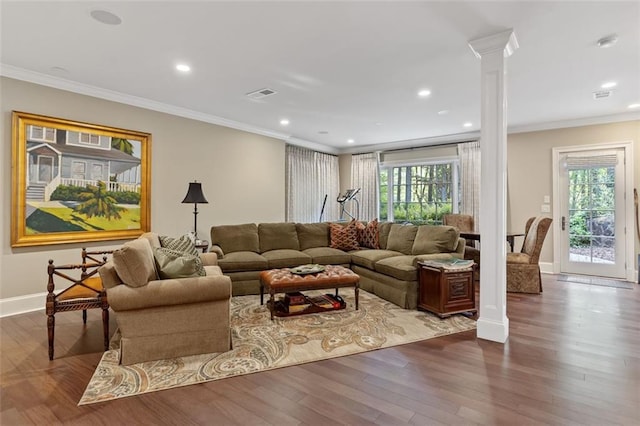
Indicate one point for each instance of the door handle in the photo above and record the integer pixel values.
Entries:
(564, 222)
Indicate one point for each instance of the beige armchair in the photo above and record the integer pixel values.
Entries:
(166, 318)
(465, 223)
(523, 270)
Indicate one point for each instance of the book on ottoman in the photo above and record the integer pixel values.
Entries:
(326, 301)
(295, 298)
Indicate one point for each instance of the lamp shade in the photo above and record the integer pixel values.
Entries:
(194, 194)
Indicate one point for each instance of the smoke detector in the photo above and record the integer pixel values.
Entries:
(262, 93)
(601, 94)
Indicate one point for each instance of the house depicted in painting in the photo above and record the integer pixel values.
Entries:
(64, 157)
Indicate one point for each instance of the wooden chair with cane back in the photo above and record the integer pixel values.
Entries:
(79, 293)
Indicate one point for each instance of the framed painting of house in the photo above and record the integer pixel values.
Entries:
(76, 182)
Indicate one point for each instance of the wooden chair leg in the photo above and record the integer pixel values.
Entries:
(51, 322)
(105, 327)
(84, 316)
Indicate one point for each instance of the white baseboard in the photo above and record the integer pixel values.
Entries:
(22, 304)
(546, 267)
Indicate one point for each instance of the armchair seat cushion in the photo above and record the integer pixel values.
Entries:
(328, 256)
(243, 261)
(285, 258)
(518, 258)
(169, 292)
(368, 258)
(400, 267)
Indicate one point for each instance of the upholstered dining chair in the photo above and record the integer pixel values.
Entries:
(465, 223)
(79, 293)
(523, 270)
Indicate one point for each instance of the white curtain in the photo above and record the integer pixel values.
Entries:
(364, 175)
(469, 155)
(311, 175)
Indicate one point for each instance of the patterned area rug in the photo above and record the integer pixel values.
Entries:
(260, 344)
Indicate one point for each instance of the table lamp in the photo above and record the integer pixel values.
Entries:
(195, 196)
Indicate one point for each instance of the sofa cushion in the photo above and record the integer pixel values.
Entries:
(383, 233)
(328, 256)
(243, 261)
(369, 235)
(275, 236)
(400, 267)
(285, 258)
(401, 238)
(134, 263)
(177, 264)
(313, 235)
(344, 237)
(212, 270)
(435, 239)
(368, 258)
(236, 237)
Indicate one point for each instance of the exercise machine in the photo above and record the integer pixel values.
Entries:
(349, 195)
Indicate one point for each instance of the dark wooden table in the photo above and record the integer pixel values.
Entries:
(476, 237)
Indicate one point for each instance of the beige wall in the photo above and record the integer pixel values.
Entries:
(529, 164)
(344, 165)
(242, 175)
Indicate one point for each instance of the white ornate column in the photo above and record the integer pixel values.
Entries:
(493, 50)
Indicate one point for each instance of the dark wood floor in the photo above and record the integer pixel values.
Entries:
(573, 357)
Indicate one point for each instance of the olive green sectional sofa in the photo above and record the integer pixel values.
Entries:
(390, 271)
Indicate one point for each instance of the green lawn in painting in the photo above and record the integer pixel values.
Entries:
(64, 219)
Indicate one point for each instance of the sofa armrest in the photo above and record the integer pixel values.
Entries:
(217, 250)
(170, 292)
(209, 259)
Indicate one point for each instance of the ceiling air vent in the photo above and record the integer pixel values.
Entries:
(262, 93)
(601, 94)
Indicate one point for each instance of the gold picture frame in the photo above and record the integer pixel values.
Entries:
(76, 182)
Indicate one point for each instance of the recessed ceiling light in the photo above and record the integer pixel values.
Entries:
(323, 132)
(632, 106)
(424, 93)
(607, 41)
(609, 85)
(350, 141)
(284, 122)
(183, 67)
(443, 112)
(467, 124)
(378, 124)
(105, 17)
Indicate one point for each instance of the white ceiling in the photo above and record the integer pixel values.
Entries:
(352, 69)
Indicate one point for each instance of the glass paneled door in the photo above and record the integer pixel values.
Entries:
(593, 217)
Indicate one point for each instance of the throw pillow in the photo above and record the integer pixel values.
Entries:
(177, 264)
(184, 244)
(344, 237)
(368, 236)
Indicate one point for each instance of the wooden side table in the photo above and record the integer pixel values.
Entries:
(446, 291)
(202, 245)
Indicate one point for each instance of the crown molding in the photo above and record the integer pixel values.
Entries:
(414, 143)
(110, 95)
(576, 122)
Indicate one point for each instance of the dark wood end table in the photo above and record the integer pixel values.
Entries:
(446, 291)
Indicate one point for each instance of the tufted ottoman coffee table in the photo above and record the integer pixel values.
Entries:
(284, 281)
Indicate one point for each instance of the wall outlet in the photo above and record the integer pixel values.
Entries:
(546, 208)
(547, 199)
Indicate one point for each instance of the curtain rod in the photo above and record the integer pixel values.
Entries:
(435, 145)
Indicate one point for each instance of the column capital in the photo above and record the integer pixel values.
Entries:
(504, 41)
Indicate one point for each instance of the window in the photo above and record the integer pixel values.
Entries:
(89, 139)
(419, 193)
(45, 134)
